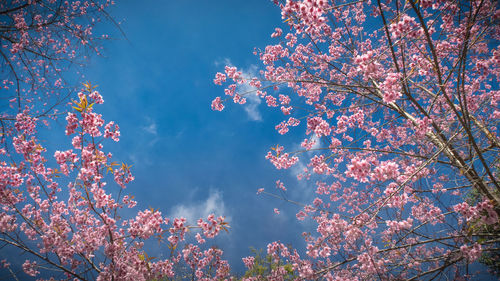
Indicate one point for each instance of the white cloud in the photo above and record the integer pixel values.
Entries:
(192, 211)
(298, 168)
(151, 127)
(317, 141)
(303, 189)
(223, 62)
(252, 106)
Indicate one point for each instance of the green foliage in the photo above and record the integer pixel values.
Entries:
(489, 258)
(265, 265)
(492, 260)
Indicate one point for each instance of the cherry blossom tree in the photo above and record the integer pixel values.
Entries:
(63, 209)
(67, 218)
(398, 103)
(40, 40)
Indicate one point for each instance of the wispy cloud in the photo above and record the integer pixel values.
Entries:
(252, 105)
(151, 127)
(192, 211)
(299, 167)
(317, 141)
(223, 62)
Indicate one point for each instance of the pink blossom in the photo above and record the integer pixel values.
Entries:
(96, 97)
(111, 130)
(217, 104)
(91, 123)
(280, 185)
(277, 32)
(219, 78)
(368, 65)
(30, 268)
(281, 160)
(386, 170)
(319, 126)
(271, 101)
(391, 88)
(25, 124)
(249, 262)
(359, 169)
(405, 26)
(471, 253)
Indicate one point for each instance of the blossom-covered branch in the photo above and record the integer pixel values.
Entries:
(398, 102)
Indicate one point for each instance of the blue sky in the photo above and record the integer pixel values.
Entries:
(187, 159)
